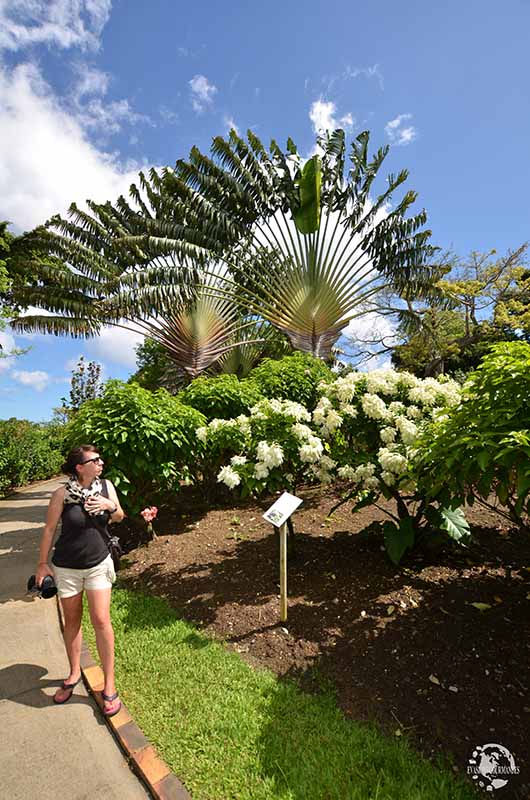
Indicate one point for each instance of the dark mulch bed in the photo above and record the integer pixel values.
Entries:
(402, 646)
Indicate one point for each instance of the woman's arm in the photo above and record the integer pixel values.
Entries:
(118, 514)
(53, 516)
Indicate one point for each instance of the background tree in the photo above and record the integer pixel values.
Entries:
(449, 326)
(85, 384)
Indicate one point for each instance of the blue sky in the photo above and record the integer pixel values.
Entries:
(93, 90)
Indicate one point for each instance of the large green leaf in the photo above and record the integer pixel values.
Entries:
(453, 520)
(398, 538)
(307, 217)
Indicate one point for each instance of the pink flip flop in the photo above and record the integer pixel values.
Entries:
(67, 687)
(109, 699)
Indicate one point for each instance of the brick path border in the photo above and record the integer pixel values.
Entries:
(155, 773)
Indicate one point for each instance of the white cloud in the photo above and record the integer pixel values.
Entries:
(323, 116)
(398, 132)
(116, 345)
(90, 107)
(230, 124)
(367, 72)
(36, 379)
(202, 93)
(168, 115)
(89, 81)
(46, 159)
(58, 23)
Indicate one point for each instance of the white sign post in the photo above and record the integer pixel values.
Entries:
(278, 514)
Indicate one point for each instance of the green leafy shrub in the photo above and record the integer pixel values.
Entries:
(29, 451)
(483, 448)
(147, 439)
(295, 377)
(220, 396)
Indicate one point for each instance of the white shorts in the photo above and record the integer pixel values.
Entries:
(72, 581)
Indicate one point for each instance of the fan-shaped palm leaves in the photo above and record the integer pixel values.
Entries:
(313, 249)
(302, 247)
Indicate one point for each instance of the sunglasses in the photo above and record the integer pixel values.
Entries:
(96, 460)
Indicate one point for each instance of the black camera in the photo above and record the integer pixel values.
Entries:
(47, 588)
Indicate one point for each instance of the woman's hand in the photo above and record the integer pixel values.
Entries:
(95, 504)
(42, 571)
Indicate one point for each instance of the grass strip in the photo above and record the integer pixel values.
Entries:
(234, 733)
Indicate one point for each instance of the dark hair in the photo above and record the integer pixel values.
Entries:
(77, 456)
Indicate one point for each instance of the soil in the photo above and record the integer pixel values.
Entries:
(402, 646)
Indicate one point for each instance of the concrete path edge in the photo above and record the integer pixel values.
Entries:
(160, 781)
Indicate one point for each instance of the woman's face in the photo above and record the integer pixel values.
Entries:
(91, 467)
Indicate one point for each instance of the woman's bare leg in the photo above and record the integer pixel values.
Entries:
(73, 611)
(99, 606)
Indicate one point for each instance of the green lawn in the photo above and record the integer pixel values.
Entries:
(234, 733)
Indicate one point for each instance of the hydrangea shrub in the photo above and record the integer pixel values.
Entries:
(272, 448)
(371, 422)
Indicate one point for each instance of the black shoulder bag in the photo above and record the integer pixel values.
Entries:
(112, 542)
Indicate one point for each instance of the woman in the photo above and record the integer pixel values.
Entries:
(81, 561)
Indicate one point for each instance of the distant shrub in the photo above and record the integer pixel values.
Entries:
(220, 396)
(147, 439)
(29, 451)
(294, 377)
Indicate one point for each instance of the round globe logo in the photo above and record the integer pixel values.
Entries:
(491, 765)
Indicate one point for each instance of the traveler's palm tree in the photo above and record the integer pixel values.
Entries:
(305, 246)
(302, 247)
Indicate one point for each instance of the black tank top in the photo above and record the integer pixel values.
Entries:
(81, 544)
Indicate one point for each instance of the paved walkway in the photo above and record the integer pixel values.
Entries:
(45, 750)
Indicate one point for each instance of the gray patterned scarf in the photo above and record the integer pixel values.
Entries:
(75, 493)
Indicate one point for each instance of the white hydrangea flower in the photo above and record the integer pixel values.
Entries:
(301, 431)
(407, 429)
(270, 454)
(296, 410)
(228, 476)
(388, 477)
(312, 450)
(396, 408)
(321, 475)
(371, 484)
(243, 423)
(382, 381)
(392, 461)
(414, 412)
(202, 433)
(374, 407)
(348, 410)
(388, 435)
(333, 420)
(261, 471)
(364, 471)
(238, 460)
(423, 395)
(319, 416)
(347, 472)
(327, 463)
(345, 390)
(275, 457)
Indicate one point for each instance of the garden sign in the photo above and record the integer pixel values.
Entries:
(278, 514)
